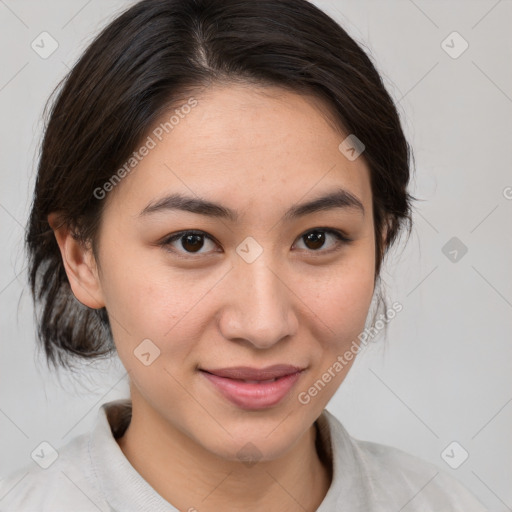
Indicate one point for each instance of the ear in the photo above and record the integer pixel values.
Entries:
(79, 264)
(386, 225)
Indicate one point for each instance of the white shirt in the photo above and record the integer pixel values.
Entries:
(91, 474)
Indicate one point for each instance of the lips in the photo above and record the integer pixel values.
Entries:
(249, 374)
(253, 388)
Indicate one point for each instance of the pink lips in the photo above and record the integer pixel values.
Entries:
(252, 388)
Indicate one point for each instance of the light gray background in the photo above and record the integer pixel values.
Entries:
(443, 374)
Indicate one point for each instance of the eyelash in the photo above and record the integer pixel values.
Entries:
(342, 240)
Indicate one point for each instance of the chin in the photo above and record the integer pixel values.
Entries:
(254, 444)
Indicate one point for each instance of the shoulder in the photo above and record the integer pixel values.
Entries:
(400, 480)
(423, 484)
(66, 484)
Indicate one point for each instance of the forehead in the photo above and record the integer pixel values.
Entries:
(246, 144)
(248, 118)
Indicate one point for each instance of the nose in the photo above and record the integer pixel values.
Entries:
(259, 309)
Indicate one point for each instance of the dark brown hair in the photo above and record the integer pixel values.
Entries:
(147, 61)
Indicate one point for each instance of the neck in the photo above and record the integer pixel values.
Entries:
(190, 477)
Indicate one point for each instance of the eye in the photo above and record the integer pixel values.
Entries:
(315, 239)
(190, 242)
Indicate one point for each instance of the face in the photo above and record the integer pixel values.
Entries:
(267, 284)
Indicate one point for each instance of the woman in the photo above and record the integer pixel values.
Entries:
(218, 185)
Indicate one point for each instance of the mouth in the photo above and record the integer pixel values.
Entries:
(249, 374)
(252, 388)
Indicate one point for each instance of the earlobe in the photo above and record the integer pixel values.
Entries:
(79, 264)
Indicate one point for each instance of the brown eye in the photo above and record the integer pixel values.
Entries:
(192, 243)
(187, 242)
(314, 240)
(318, 238)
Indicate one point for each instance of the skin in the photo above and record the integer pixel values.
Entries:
(258, 151)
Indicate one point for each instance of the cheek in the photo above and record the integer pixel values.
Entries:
(340, 308)
(151, 331)
(148, 299)
(144, 298)
(343, 296)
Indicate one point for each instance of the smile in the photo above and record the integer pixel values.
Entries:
(257, 391)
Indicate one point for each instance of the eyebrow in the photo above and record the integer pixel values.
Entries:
(340, 198)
